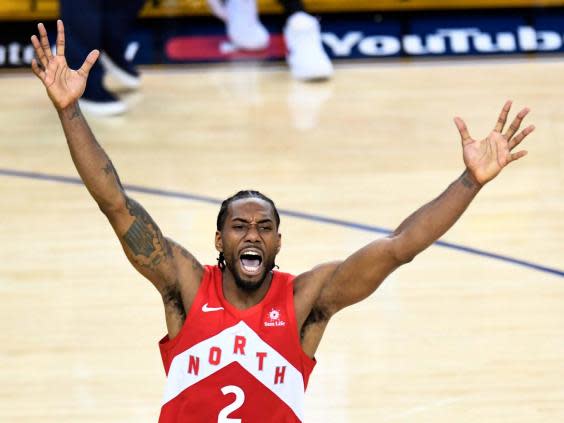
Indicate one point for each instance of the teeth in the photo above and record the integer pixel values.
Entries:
(251, 261)
(250, 253)
(250, 268)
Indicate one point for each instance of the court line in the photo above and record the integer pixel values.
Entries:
(291, 213)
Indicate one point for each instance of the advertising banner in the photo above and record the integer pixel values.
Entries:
(366, 36)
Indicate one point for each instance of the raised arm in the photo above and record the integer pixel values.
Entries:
(159, 259)
(359, 275)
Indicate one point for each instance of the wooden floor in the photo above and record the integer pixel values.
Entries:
(452, 337)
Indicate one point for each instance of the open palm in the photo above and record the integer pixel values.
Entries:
(485, 158)
(64, 85)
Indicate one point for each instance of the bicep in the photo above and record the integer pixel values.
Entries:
(151, 253)
(360, 274)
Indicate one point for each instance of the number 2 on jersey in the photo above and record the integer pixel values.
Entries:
(239, 400)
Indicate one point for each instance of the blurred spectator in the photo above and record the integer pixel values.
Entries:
(104, 25)
(306, 57)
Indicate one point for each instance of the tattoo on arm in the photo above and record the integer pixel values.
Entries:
(109, 169)
(75, 113)
(186, 254)
(140, 239)
(144, 238)
(467, 181)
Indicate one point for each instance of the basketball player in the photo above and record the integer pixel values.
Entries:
(306, 57)
(241, 336)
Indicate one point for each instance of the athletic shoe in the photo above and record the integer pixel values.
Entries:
(97, 101)
(218, 9)
(244, 28)
(121, 71)
(306, 57)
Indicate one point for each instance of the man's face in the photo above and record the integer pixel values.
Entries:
(249, 241)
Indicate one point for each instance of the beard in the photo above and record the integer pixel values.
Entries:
(247, 285)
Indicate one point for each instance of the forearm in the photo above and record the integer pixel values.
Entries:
(431, 221)
(91, 161)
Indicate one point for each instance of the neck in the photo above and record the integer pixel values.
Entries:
(240, 298)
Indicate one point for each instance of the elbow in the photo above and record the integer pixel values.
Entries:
(114, 205)
(403, 257)
(401, 252)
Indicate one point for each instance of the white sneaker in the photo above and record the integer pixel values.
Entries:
(124, 78)
(218, 9)
(306, 57)
(102, 108)
(243, 26)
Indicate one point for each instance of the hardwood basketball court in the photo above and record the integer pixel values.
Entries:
(455, 336)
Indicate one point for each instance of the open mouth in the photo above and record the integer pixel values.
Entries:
(251, 261)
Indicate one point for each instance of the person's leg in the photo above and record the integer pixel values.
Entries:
(306, 57)
(83, 30)
(243, 26)
(118, 19)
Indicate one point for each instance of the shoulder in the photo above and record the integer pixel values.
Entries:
(303, 279)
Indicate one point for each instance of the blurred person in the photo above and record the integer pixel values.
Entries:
(242, 336)
(103, 24)
(305, 56)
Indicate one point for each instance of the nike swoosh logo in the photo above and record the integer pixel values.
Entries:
(207, 309)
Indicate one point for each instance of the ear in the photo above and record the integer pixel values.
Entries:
(279, 243)
(218, 242)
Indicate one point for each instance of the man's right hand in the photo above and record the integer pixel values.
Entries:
(64, 85)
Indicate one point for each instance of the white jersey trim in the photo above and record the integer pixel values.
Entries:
(262, 361)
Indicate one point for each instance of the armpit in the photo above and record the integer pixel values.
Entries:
(173, 303)
(316, 316)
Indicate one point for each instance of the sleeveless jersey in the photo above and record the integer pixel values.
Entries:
(231, 365)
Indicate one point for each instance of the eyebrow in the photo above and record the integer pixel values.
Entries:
(240, 219)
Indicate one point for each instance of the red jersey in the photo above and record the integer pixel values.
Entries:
(230, 365)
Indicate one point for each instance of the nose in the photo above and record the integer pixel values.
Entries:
(252, 234)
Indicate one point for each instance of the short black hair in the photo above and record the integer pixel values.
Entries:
(222, 215)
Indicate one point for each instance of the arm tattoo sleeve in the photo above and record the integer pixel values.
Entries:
(109, 169)
(144, 238)
(190, 257)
